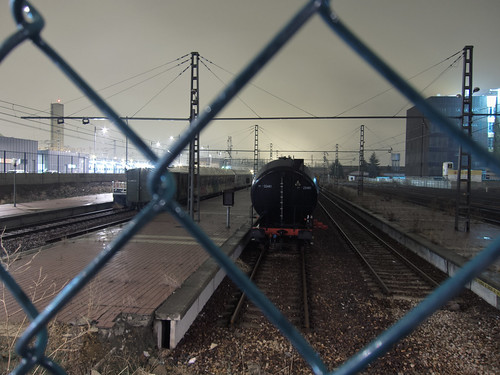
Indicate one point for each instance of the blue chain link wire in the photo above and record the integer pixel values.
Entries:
(162, 187)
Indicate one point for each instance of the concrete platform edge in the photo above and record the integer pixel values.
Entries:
(181, 309)
(486, 285)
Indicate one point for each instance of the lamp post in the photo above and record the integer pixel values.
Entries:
(104, 131)
(95, 140)
(14, 164)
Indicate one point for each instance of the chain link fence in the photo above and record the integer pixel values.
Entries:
(44, 161)
(31, 346)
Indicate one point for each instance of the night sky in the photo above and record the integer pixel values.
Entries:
(131, 51)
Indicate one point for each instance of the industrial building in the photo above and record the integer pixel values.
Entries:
(23, 156)
(18, 155)
(62, 162)
(428, 146)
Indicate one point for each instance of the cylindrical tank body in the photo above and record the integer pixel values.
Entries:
(284, 192)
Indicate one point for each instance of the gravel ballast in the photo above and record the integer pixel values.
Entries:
(463, 338)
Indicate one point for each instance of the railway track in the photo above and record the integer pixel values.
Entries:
(485, 205)
(280, 273)
(391, 271)
(28, 237)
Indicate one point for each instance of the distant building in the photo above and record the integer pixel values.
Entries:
(63, 162)
(354, 175)
(428, 146)
(395, 159)
(18, 154)
(23, 155)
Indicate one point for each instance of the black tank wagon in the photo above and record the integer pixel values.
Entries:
(284, 194)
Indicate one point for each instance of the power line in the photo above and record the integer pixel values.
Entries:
(439, 75)
(262, 89)
(133, 77)
(392, 88)
(267, 118)
(163, 89)
(296, 151)
(224, 83)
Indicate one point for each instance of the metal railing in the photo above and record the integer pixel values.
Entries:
(162, 186)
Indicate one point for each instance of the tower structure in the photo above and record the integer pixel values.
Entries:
(229, 151)
(194, 145)
(361, 166)
(336, 172)
(464, 168)
(256, 150)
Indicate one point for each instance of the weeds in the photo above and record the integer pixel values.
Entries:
(64, 340)
(77, 347)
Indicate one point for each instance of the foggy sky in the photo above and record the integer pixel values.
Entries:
(111, 41)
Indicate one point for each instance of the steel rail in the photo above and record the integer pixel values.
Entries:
(383, 286)
(405, 260)
(241, 300)
(27, 230)
(87, 230)
(307, 322)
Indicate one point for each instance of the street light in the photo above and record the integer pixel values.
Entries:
(15, 162)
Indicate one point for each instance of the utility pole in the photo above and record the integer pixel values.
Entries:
(325, 167)
(194, 145)
(230, 149)
(336, 172)
(462, 212)
(361, 159)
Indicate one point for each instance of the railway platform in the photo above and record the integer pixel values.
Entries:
(431, 234)
(31, 213)
(161, 279)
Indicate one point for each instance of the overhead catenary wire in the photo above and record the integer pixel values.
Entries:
(259, 117)
(408, 79)
(380, 141)
(202, 60)
(71, 131)
(262, 89)
(135, 84)
(134, 77)
(77, 134)
(159, 92)
(460, 56)
(352, 135)
(182, 60)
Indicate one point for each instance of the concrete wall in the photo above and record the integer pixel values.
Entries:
(40, 186)
(57, 178)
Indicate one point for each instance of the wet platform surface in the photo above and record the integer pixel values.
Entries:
(7, 210)
(139, 278)
(33, 213)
